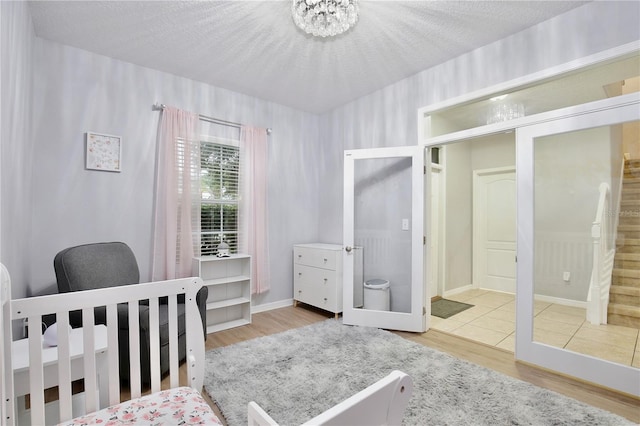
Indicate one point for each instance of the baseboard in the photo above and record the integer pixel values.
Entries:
(271, 306)
(498, 291)
(539, 297)
(457, 290)
(561, 301)
(557, 300)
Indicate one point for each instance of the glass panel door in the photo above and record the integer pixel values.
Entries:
(383, 238)
(577, 218)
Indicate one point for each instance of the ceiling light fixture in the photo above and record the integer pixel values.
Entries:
(505, 111)
(325, 17)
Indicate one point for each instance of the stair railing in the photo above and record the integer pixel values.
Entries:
(603, 256)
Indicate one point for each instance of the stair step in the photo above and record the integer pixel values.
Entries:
(630, 216)
(628, 273)
(630, 190)
(631, 172)
(627, 245)
(631, 195)
(632, 264)
(626, 231)
(625, 281)
(630, 203)
(631, 182)
(627, 261)
(628, 310)
(624, 295)
(627, 242)
(626, 290)
(632, 162)
(625, 315)
(623, 320)
(628, 256)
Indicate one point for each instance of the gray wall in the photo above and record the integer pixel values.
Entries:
(460, 160)
(569, 168)
(80, 91)
(16, 142)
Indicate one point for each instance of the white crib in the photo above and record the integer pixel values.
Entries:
(29, 366)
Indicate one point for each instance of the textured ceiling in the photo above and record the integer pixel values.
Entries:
(253, 47)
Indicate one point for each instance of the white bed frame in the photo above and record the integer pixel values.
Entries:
(382, 403)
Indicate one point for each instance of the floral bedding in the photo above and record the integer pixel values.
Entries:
(178, 406)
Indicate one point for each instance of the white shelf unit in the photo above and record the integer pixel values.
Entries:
(229, 283)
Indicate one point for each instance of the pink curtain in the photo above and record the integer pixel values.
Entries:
(253, 205)
(177, 212)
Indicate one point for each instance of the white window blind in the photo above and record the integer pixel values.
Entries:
(219, 190)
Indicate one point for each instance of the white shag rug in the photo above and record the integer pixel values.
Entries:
(297, 374)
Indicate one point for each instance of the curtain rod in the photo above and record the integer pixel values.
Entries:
(160, 107)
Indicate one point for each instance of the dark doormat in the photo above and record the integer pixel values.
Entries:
(445, 308)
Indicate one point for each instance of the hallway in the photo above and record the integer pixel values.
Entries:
(492, 321)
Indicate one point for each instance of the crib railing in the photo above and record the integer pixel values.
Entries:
(99, 344)
(603, 256)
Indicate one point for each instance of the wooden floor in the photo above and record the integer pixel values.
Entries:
(283, 319)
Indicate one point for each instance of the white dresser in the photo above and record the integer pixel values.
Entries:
(317, 276)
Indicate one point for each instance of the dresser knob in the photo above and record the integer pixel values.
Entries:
(325, 260)
(325, 299)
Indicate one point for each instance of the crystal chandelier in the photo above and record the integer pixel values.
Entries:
(505, 111)
(502, 110)
(325, 17)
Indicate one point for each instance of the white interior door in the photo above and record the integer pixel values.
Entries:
(384, 238)
(560, 164)
(494, 227)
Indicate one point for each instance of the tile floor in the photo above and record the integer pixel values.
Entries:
(492, 321)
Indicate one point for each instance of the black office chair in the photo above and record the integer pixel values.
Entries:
(100, 265)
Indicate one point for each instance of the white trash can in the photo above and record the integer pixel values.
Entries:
(376, 294)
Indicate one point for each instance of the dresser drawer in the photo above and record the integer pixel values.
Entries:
(314, 276)
(308, 293)
(318, 258)
(317, 287)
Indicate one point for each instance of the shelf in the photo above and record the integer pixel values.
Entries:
(228, 302)
(226, 280)
(216, 258)
(229, 282)
(225, 325)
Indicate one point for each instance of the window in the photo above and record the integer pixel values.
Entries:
(219, 189)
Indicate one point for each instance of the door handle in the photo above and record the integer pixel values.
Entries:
(348, 249)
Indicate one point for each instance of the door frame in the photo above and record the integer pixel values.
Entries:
(594, 114)
(435, 234)
(417, 319)
(477, 175)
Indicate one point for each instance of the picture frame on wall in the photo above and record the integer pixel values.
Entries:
(103, 152)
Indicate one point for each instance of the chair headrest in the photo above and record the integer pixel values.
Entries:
(97, 265)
